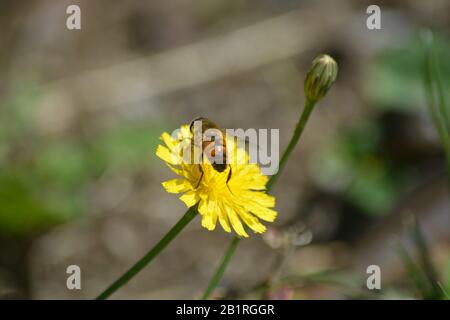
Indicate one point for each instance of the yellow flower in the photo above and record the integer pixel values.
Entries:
(242, 198)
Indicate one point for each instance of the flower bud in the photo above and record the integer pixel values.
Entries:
(320, 77)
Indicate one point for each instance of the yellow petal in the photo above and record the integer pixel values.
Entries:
(176, 185)
(235, 222)
(168, 140)
(178, 171)
(192, 172)
(260, 211)
(223, 218)
(203, 205)
(207, 222)
(185, 132)
(248, 179)
(213, 209)
(261, 198)
(168, 156)
(251, 221)
(209, 217)
(190, 198)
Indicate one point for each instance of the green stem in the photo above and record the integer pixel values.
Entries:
(309, 105)
(138, 266)
(218, 275)
(425, 259)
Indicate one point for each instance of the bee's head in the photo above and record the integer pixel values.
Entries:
(191, 126)
(220, 167)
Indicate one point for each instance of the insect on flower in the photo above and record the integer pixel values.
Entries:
(207, 137)
(216, 175)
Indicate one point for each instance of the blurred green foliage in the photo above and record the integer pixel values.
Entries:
(420, 267)
(354, 165)
(436, 93)
(396, 76)
(446, 287)
(46, 180)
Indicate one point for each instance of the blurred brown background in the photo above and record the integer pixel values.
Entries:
(81, 112)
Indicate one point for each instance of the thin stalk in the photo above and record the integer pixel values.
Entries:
(413, 271)
(138, 266)
(309, 105)
(218, 275)
(425, 259)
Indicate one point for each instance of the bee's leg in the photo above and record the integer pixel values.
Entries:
(228, 179)
(229, 175)
(201, 177)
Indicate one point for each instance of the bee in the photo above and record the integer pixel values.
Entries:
(211, 139)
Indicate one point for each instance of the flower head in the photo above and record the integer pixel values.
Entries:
(231, 198)
(320, 77)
